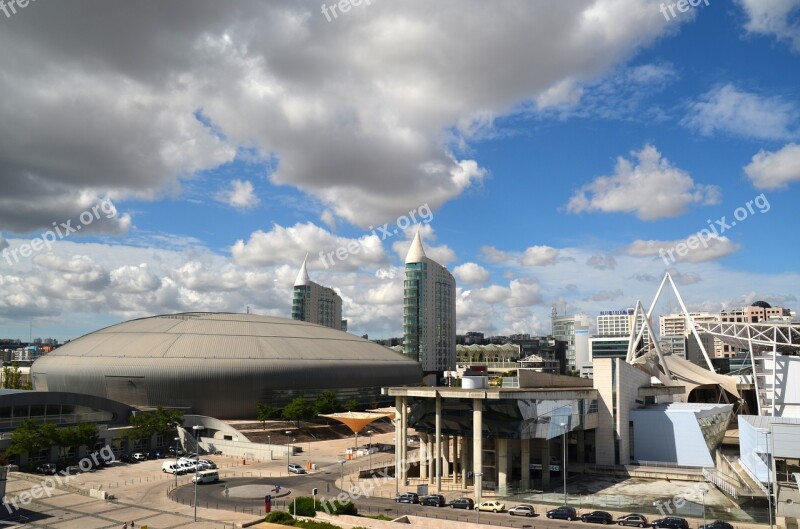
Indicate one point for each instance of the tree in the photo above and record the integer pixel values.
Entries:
(12, 378)
(265, 411)
(351, 405)
(297, 410)
(27, 438)
(146, 425)
(326, 403)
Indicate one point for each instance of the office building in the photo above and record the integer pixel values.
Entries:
(575, 331)
(316, 304)
(620, 323)
(429, 311)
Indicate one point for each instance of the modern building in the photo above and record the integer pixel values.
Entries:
(574, 330)
(314, 303)
(620, 323)
(673, 344)
(221, 364)
(429, 312)
(608, 346)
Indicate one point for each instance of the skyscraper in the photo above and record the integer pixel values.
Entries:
(314, 303)
(575, 331)
(429, 311)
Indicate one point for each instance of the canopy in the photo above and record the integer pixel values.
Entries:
(356, 420)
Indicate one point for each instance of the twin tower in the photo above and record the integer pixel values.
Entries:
(429, 309)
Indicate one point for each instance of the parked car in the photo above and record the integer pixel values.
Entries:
(151, 455)
(208, 465)
(47, 468)
(172, 467)
(139, 456)
(462, 503)
(297, 469)
(601, 517)
(407, 497)
(633, 520)
(159, 454)
(176, 452)
(563, 513)
(670, 522)
(522, 510)
(493, 506)
(717, 524)
(434, 500)
(127, 458)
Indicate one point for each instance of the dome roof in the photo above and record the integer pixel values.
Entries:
(762, 304)
(218, 364)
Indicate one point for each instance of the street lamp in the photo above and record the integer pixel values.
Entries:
(287, 432)
(564, 465)
(704, 491)
(196, 428)
(175, 470)
(369, 450)
(269, 442)
(341, 482)
(478, 475)
(769, 473)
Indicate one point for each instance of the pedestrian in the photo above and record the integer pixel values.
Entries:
(133, 524)
(125, 525)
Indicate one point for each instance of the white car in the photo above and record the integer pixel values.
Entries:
(209, 465)
(138, 456)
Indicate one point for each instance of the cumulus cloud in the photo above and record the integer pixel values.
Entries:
(777, 18)
(539, 256)
(775, 170)
(241, 195)
(651, 187)
(713, 249)
(471, 274)
(493, 255)
(732, 111)
(602, 261)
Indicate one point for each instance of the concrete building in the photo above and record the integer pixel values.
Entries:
(314, 303)
(605, 347)
(574, 330)
(620, 323)
(429, 312)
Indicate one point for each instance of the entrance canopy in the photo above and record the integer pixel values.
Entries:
(355, 420)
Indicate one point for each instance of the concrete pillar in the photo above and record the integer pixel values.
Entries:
(445, 455)
(464, 459)
(477, 445)
(502, 464)
(545, 462)
(423, 456)
(581, 449)
(403, 440)
(398, 404)
(438, 442)
(525, 463)
(455, 459)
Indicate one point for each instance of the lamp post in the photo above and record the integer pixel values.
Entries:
(287, 432)
(341, 479)
(769, 474)
(269, 442)
(477, 505)
(196, 428)
(704, 491)
(369, 450)
(175, 471)
(564, 465)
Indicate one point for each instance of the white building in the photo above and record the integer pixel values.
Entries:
(316, 304)
(575, 331)
(619, 323)
(429, 311)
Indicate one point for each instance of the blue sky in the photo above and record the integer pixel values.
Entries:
(558, 146)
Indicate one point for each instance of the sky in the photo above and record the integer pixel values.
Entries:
(187, 155)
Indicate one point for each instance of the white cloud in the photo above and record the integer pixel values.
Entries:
(471, 274)
(774, 17)
(653, 189)
(729, 110)
(539, 256)
(241, 195)
(602, 261)
(605, 295)
(775, 170)
(563, 93)
(493, 255)
(134, 279)
(709, 249)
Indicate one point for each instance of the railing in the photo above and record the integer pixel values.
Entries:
(720, 483)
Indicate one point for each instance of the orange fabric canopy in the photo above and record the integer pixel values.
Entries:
(356, 421)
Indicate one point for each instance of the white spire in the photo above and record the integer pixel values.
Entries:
(302, 276)
(415, 252)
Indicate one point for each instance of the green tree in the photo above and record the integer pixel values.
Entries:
(146, 425)
(265, 411)
(326, 403)
(351, 405)
(27, 438)
(297, 410)
(12, 378)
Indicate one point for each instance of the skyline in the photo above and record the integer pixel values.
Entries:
(551, 154)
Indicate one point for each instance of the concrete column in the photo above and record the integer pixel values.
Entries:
(477, 444)
(545, 462)
(403, 439)
(581, 449)
(445, 455)
(525, 462)
(455, 459)
(423, 456)
(398, 451)
(464, 456)
(502, 464)
(438, 443)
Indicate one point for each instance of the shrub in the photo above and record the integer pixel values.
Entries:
(280, 517)
(315, 524)
(348, 507)
(305, 506)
